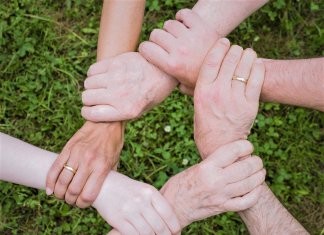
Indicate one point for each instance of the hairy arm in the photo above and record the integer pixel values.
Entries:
(269, 216)
(295, 82)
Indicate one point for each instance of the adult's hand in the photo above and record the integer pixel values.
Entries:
(133, 207)
(180, 47)
(128, 87)
(225, 109)
(92, 152)
(228, 180)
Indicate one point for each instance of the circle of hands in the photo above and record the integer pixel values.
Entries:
(189, 54)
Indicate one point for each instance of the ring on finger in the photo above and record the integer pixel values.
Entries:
(69, 168)
(241, 79)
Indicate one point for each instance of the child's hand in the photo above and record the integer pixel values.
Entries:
(134, 208)
(225, 108)
(129, 86)
(180, 48)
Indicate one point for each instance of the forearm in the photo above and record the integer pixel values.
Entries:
(120, 27)
(269, 216)
(23, 163)
(225, 15)
(295, 82)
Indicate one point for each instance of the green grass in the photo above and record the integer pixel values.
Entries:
(46, 48)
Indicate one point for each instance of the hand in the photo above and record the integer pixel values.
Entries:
(133, 207)
(225, 109)
(128, 87)
(228, 180)
(92, 152)
(180, 48)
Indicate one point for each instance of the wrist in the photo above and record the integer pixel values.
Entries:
(170, 194)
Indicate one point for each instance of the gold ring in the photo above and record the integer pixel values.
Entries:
(70, 169)
(244, 80)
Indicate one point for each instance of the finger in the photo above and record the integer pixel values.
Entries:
(229, 65)
(255, 82)
(247, 185)
(66, 177)
(189, 18)
(243, 70)
(163, 208)
(245, 202)
(213, 61)
(186, 90)
(99, 67)
(76, 185)
(140, 224)
(163, 39)
(154, 54)
(98, 81)
(241, 170)
(114, 232)
(102, 113)
(229, 153)
(175, 28)
(127, 228)
(97, 97)
(56, 169)
(92, 187)
(156, 222)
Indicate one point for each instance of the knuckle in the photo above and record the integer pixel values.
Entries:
(248, 168)
(63, 180)
(173, 65)
(88, 197)
(168, 24)
(74, 191)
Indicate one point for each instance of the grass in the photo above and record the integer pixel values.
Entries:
(46, 49)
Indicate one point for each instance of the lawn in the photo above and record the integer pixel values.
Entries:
(46, 48)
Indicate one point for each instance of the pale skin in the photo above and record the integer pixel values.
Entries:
(94, 150)
(215, 92)
(179, 50)
(279, 76)
(130, 206)
(222, 182)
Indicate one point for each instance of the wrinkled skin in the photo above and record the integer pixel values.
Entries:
(225, 109)
(229, 180)
(180, 47)
(134, 208)
(128, 87)
(92, 151)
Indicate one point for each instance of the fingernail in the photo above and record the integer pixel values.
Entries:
(49, 191)
(224, 41)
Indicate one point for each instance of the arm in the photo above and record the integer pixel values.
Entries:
(225, 15)
(174, 59)
(269, 216)
(295, 82)
(218, 100)
(180, 48)
(95, 148)
(122, 202)
(120, 27)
